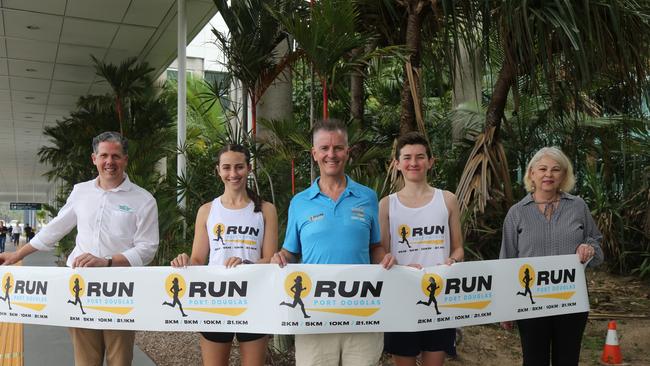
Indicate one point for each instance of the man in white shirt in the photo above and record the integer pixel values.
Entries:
(117, 225)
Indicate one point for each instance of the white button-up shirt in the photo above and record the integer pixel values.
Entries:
(123, 220)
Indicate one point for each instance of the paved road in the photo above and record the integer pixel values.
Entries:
(48, 345)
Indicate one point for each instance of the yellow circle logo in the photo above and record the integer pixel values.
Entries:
(77, 286)
(219, 229)
(526, 276)
(431, 281)
(297, 283)
(404, 231)
(175, 285)
(7, 283)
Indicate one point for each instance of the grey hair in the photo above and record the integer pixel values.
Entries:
(556, 154)
(330, 125)
(111, 136)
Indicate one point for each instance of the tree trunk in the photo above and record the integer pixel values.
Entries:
(118, 109)
(467, 76)
(494, 113)
(413, 44)
(357, 95)
(326, 113)
(276, 103)
(467, 84)
(253, 116)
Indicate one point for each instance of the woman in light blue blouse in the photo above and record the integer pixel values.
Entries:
(550, 221)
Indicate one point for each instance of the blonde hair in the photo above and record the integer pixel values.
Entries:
(556, 154)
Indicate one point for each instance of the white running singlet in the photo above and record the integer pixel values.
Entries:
(237, 233)
(419, 235)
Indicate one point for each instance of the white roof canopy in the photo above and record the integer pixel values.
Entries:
(45, 65)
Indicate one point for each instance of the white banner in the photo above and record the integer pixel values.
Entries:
(297, 299)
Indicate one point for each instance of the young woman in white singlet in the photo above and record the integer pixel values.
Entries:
(236, 227)
(420, 227)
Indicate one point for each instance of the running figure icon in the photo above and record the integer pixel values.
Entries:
(403, 234)
(7, 287)
(77, 299)
(297, 289)
(527, 280)
(219, 234)
(433, 286)
(175, 290)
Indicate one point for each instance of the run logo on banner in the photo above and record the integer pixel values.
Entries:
(455, 298)
(96, 298)
(22, 293)
(212, 297)
(343, 300)
(556, 284)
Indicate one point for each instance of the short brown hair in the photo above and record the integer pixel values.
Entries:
(412, 138)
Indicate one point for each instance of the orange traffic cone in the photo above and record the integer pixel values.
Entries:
(611, 351)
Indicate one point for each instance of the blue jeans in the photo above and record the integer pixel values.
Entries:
(3, 240)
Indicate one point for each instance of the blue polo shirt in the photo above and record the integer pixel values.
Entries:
(324, 231)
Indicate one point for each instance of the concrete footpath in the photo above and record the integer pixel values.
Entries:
(48, 345)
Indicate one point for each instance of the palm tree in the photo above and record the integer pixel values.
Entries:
(411, 118)
(151, 139)
(250, 46)
(565, 44)
(325, 38)
(128, 80)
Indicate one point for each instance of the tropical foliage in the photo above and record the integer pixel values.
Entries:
(555, 72)
(147, 124)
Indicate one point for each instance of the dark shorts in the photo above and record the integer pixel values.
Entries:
(219, 337)
(410, 344)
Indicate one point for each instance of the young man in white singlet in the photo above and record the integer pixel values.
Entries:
(420, 227)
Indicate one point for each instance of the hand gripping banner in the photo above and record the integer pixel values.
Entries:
(297, 299)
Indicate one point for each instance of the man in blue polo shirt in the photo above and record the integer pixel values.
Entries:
(335, 221)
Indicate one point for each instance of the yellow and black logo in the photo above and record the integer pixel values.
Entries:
(7, 286)
(235, 234)
(109, 297)
(297, 285)
(555, 283)
(24, 293)
(358, 298)
(526, 280)
(219, 230)
(470, 292)
(426, 235)
(217, 297)
(404, 233)
(175, 287)
(431, 286)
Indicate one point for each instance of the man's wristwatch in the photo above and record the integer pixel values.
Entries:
(110, 261)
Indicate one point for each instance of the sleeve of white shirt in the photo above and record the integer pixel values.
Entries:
(59, 227)
(145, 241)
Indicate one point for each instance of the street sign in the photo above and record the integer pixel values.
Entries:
(24, 206)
